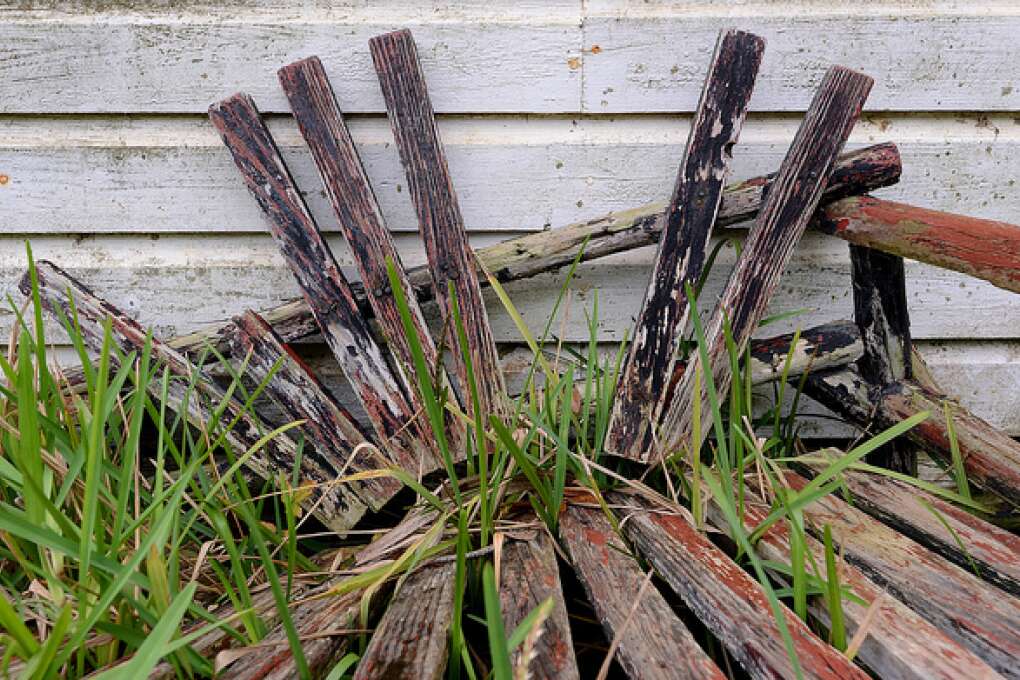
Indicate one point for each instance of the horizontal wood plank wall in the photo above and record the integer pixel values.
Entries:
(551, 112)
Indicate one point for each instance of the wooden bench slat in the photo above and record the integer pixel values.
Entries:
(322, 125)
(976, 614)
(58, 289)
(528, 575)
(326, 290)
(900, 644)
(654, 643)
(912, 512)
(730, 603)
(789, 205)
(411, 639)
(451, 259)
(328, 427)
(642, 390)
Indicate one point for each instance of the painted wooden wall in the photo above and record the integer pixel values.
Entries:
(552, 112)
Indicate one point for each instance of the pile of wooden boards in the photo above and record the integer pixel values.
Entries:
(936, 587)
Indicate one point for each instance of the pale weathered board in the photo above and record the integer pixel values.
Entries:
(607, 56)
(105, 174)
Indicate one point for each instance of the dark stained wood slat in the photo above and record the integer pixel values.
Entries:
(995, 551)
(322, 125)
(326, 290)
(328, 427)
(975, 614)
(442, 227)
(789, 205)
(730, 603)
(528, 575)
(57, 290)
(880, 310)
(655, 644)
(526, 256)
(991, 458)
(900, 645)
(642, 391)
(411, 639)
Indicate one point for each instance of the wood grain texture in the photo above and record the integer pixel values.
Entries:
(654, 644)
(991, 458)
(900, 644)
(880, 310)
(528, 575)
(730, 603)
(322, 125)
(974, 613)
(411, 639)
(58, 291)
(788, 208)
(985, 249)
(451, 260)
(923, 517)
(326, 290)
(530, 255)
(329, 429)
(643, 387)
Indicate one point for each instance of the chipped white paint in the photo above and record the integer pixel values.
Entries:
(148, 208)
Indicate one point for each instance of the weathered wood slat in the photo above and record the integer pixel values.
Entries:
(654, 644)
(995, 552)
(328, 427)
(991, 458)
(322, 125)
(530, 255)
(58, 291)
(528, 575)
(789, 205)
(900, 644)
(975, 614)
(411, 639)
(985, 249)
(880, 310)
(642, 390)
(326, 290)
(726, 599)
(451, 260)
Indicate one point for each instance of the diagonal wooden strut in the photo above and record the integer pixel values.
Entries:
(643, 388)
(322, 125)
(428, 178)
(788, 207)
(325, 288)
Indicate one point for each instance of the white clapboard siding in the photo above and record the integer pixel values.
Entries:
(158, 175)
(180, 283)
(597, 56)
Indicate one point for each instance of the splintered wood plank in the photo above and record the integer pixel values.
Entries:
(322, 613)
(59, 291)
(789, 205)
(900, 644)
(326, 290)
(451, 260)
(730, 603)
(322, 125)
(974, 613)
(923, 517)
(411, 639)
(642, 392)
(991, 458)
(328, 427)
(528, 575)
(654, 644)
(880, 310)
